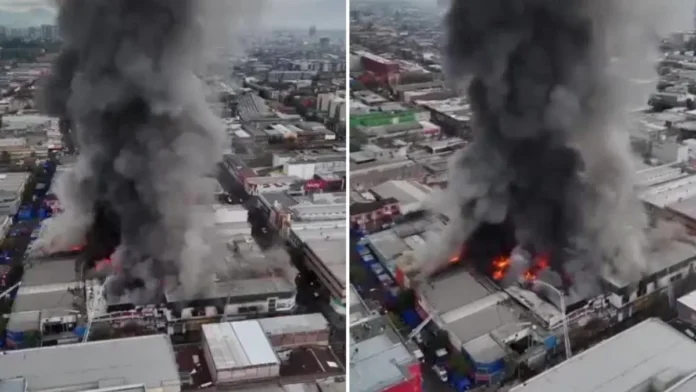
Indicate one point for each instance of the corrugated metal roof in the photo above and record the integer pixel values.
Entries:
(238, 344)
(293, 323)
(147, 360)
(255, 343)
(620, 363)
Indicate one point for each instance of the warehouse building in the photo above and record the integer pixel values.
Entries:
(239, 352)
(256, 282)
(649, 356)
(11, 190)
(144, 364)
(296, 330)
(45, 305)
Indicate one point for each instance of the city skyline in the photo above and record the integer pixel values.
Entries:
(324, 14)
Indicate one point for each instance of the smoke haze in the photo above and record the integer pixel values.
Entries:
(550, 153)
(126, 79)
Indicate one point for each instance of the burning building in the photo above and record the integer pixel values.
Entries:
(546, 187)
(127, 81)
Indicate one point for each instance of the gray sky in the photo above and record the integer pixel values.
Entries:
(325, 14)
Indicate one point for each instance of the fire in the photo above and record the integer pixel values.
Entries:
(541, 263)
(502, 263)
(457, 257)
(101, 264)
(500, 267)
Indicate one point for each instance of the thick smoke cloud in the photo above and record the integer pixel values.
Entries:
(126, 79)
(550, 152)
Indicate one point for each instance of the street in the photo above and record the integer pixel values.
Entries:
(374, 294)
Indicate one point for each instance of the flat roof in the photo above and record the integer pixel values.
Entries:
(236, 288)
(238, 344)
(480, 317)
(403, 191)
(377, 363)
(145, 360)
(12, 182)
(662, 258)
(621, 362)
(57, 298)
(688, 300)
(452, 290)
(49, 271)
(332, 253)
(296, 323)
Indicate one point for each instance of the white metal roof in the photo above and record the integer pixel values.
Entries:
(238, 344)
(147, 360)
(688, 300)
(620, 363)
(293, 324)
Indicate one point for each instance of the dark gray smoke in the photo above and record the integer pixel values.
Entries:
(126, 79)
(550, 152)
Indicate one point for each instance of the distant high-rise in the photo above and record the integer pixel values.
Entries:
(324, 42)
(47, 32)
(313, 31)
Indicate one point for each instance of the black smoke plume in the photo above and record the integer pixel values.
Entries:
(127, 81)
(549, 155)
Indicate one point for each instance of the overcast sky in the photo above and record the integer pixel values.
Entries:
(325, 14)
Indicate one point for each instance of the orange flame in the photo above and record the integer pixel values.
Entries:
(500, 267)
(541, 263)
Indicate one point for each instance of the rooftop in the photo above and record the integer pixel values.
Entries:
(13, 183)
(293, 323)
(49, 271)
(618, 364)
(453, 290)
(405, 192)
(94, 365)
(238, 344)
(377, 363)
(478, 318)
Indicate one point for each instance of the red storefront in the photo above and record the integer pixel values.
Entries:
(413, 384)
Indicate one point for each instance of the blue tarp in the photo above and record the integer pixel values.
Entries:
(24, 213)
(44, 212)
(459, 382)
(14, 338)
(411, 318)
(80, 331)
(551, 342)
